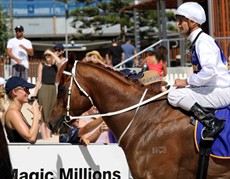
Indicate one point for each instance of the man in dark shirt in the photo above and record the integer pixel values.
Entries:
(115, 54)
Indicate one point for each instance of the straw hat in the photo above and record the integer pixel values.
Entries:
(94, 52)
(151, 77)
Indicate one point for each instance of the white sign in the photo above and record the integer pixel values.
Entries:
(63, 161)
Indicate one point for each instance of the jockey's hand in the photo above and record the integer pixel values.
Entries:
(180, 83)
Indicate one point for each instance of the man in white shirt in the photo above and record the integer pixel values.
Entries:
(18, 50)
(209, 85)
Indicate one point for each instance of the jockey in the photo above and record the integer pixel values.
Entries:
(209, 85)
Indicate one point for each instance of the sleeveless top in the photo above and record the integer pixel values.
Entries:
(49, 74)
(156, 67)
(13, 135)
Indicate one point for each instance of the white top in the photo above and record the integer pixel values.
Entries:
(213, 72)
(19, 52)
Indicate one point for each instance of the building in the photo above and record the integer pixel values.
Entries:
(45, 23)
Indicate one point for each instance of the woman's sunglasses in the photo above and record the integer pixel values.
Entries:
(57, 50)
(24, 89)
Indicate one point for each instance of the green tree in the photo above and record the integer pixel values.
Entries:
(3, 31)
(94, 18)
(103, 15)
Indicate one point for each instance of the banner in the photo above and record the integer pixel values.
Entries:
(65, 161)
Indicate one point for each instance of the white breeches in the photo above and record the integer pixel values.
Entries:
(208, 97)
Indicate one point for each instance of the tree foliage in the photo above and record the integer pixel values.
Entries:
(96, 15)
(3, 31)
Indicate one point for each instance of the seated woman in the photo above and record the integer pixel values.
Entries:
(102, 137)
(76, 133)
(17, 127)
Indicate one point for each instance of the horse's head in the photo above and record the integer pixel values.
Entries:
(78, 102)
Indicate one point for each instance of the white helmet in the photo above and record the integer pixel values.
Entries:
(192, 11)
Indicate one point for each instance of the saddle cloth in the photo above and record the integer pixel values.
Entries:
(221, 146)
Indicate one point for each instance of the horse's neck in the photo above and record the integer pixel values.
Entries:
(108, 87)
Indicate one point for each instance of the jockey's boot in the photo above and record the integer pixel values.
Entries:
(213, 125)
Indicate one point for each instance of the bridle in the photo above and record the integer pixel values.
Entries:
(69, 118)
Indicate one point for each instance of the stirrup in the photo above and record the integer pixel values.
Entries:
(205, 138)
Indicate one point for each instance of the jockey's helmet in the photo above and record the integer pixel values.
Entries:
(192, 11)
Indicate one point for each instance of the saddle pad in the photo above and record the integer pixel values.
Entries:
(221, 146)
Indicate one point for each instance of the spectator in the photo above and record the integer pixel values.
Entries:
(16, 125)
(59, 51)
(75, 133)
(156, 61)
(18, 50)
(46, 89)
(104, 136)
(95, 57)
(115, 54)
(129, 51)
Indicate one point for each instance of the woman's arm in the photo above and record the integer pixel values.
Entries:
(90, 126)
(17, 122)
(39, 80)
(164, 69)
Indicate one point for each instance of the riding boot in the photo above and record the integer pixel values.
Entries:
(213, 125)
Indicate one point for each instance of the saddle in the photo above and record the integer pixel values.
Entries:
(132, 73)
(221, 144)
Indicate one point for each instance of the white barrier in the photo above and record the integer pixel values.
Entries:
(173, 73)
(177, 72)
(64, 161)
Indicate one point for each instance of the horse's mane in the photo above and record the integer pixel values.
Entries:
(115, 73)
(155, 88)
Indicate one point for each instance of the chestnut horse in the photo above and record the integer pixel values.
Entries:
(159, 142)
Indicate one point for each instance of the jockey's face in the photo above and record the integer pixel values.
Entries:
(185, 25)
(182, 25)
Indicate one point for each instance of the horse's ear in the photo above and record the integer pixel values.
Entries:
(60, 71)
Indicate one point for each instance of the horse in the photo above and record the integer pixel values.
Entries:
(159, 142)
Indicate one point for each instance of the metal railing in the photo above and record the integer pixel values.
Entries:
(224, 42)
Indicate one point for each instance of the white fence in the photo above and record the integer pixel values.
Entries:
(177, 72)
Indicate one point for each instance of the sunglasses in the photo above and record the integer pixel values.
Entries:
(47, 55)
(57, 50)
(24, 89)
(18, 30)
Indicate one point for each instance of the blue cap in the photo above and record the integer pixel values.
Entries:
(16, 81)
(151, 49)
(59, 46)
